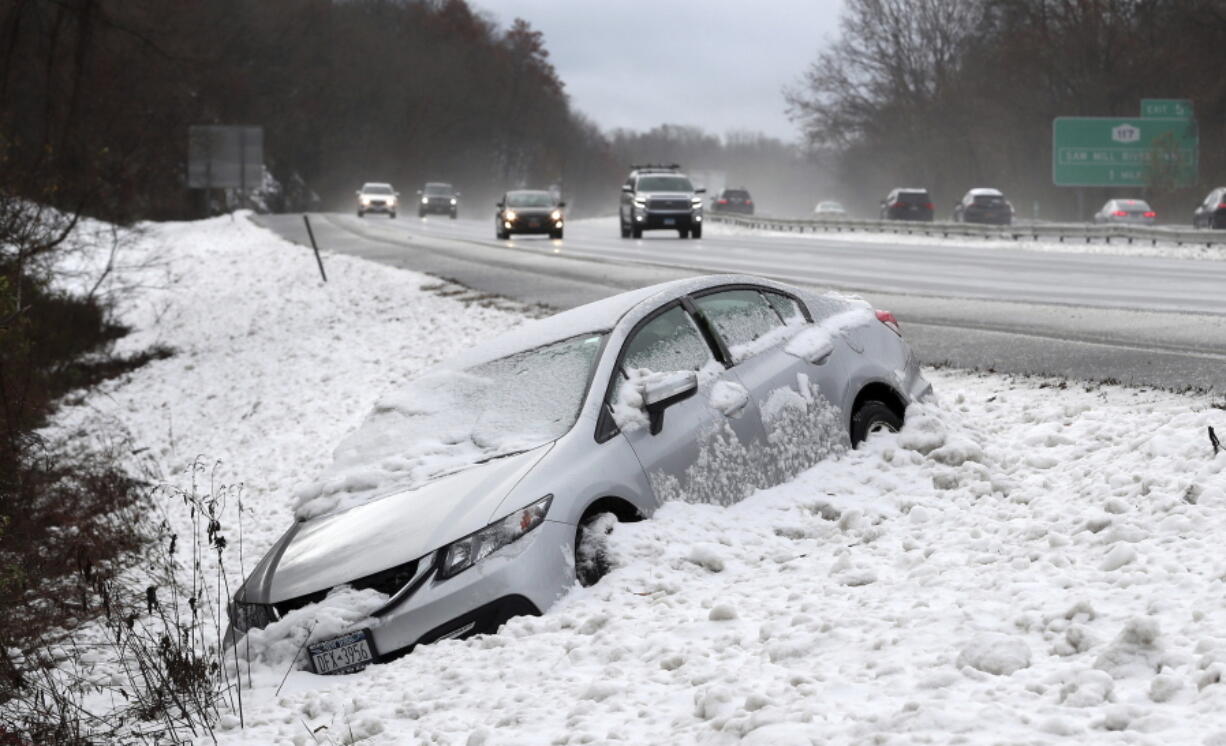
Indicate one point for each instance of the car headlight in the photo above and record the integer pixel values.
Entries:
(425, 200)
(453, 200)
(640, 201)
(245, 616)
(696, 202)
(391, 201)
(463, 554)
(509, 216)
(556, 215)
(366, 200)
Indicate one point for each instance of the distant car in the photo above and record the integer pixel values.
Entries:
(907, 204)
(486, 489)
(829, 209)
(733, 201)
(438, 198)
(377, 197)
(660, 197)
(984, 205)
(1126, 212)
(1212, 212)
(529, 211)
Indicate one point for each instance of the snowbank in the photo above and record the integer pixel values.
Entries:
(893, 593)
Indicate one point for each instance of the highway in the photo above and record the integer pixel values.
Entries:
(1093, 317)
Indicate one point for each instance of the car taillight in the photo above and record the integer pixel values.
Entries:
(1151, 214)
(888, 319)
(900, 203)
(1222, 206)
(749, 201)
(723, 201)
(929, 205)
(1120, 214)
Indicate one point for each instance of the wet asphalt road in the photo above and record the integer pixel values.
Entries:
(1093, 317)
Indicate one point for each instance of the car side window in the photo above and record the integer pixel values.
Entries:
(741, 317)
(668, 342)
(787, 308)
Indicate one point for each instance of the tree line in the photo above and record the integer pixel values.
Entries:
(96, 97)
(951, 94)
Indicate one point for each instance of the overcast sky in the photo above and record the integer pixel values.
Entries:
(638, 63)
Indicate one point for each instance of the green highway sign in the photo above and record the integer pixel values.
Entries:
(1166, 108)
(1122, 151)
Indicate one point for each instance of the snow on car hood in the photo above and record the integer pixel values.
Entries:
(382, 533)
(452, 419)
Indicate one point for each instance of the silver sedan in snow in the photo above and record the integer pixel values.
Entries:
(485, 489)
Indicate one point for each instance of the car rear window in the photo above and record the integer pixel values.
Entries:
(988, 200)
(913, 196)
(736, 194)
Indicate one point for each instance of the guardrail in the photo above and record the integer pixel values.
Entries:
(1061, 232)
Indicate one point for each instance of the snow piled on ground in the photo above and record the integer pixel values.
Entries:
(1026, 562)
(1073, 245)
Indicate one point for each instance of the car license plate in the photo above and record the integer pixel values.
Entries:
(670, 221)
(534, 224)
(345, 654)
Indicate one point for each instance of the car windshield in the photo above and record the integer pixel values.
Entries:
(451, 419)
(530, 199)
(1133, 204)
(376, 189)
(444, 189)
(665, 183)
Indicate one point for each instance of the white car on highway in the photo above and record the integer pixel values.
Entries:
(377, 197)
(1126, 212)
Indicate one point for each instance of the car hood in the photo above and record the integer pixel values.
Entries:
(667, 195)
(323, 552)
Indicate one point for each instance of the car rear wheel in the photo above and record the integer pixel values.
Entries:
(873, 417)
(592, 548)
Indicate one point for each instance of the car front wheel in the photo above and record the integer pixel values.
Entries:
(873, 417)
(592, 548)
(696, 231)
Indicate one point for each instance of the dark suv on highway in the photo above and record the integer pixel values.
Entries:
(438, 198)
(733, 200)
(660, 197)
(984, 205)
(1212, 212)
(907, 204)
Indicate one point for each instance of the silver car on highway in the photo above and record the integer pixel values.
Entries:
(486, 489)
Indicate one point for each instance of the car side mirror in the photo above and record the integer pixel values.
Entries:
(457, 194)
(700, 190)
(627, 189)
(561, 204)
(665, 390)
(500, 204)
(395, 194)
(357, 192)
(419, 191)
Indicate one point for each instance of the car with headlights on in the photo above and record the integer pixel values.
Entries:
(529, 211)
(377, 197)
(659, 197)
(984, 205)
(438, 198)
(486, 489)
(1125, 212)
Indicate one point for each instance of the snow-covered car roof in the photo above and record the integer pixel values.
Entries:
(599, 316)
(986, 192)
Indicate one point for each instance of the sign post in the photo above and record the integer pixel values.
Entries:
(225, 157)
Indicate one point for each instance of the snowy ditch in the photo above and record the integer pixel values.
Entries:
(1028, 561)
